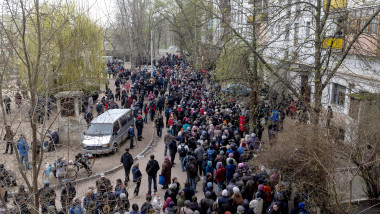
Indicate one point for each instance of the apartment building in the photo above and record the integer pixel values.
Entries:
(291, 36)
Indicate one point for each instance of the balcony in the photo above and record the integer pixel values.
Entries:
(333, 43)
(336, 4)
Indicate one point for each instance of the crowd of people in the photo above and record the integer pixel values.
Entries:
(209, 135)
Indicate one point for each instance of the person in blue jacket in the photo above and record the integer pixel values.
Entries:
(23, 149)
(136, 178)
(230, 170)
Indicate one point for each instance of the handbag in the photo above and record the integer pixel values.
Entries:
(161, 180)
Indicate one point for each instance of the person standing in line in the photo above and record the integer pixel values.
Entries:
(166, 172)
(23, 148)
(7, 101)
(136, 178)
(167, 139)
(9, 139)
(139, 127)
(131, 135)
(159, 123)
(151, 169)
(68, 193)
(127, 161)
(191, 173)
(173, 149)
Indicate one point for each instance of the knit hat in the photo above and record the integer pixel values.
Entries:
(187, 203)
(173, 186)
(240, 209)
(261, 187)
(236, 190)
(241, 165)
(301, 205)
(166, 158)
(243, 144)
(209, 184)
(225, 193)
(221, 152)
(171, 204)
(218, 165)
(208, 194)
(123, 195)
(231, 155)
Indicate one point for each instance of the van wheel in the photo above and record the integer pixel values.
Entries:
(115, 148)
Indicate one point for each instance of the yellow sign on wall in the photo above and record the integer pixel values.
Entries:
(336, 4)
(332, 43)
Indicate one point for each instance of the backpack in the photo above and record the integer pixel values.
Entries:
(182, 151)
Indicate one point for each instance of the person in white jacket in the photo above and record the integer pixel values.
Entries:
(157, 205)
(257, 204)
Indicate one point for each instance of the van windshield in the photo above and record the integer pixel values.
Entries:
(99, 129)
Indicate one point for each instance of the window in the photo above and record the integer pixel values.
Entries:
(99, 129)
(67, 107)
(341, 134)
(289, 8)
(364, 21)
(116, 128)
(123, 120)
(354, 108)
(308, 25)
(358, 21)
(298, 9)
(287, 31)
(338, 96)
(370, 28)
(296, 32)
(340, 26)
(376, 26)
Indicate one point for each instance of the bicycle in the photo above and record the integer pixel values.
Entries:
(72, 173)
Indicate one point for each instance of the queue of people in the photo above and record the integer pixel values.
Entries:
(210, 137)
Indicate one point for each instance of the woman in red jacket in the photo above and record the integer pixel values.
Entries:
(171, 123)
(220, 175)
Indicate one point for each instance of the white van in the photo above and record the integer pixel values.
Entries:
(107, 131)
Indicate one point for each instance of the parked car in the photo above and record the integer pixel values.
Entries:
(108, 131)
(237, 90)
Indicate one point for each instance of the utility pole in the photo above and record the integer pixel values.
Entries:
(151, 51)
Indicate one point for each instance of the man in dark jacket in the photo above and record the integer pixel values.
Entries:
(47, 196)
(131, 135)
(191, 173)
(172, 149)
(127, 161)
(139, 127)
(8, 138)
(199, 155)
(206, 203)
(151, 169)
(68, 194)
(159, 123)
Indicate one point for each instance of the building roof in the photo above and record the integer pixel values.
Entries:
(110, 116)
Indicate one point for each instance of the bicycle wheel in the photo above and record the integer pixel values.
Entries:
(91, 162)
(72, 175)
